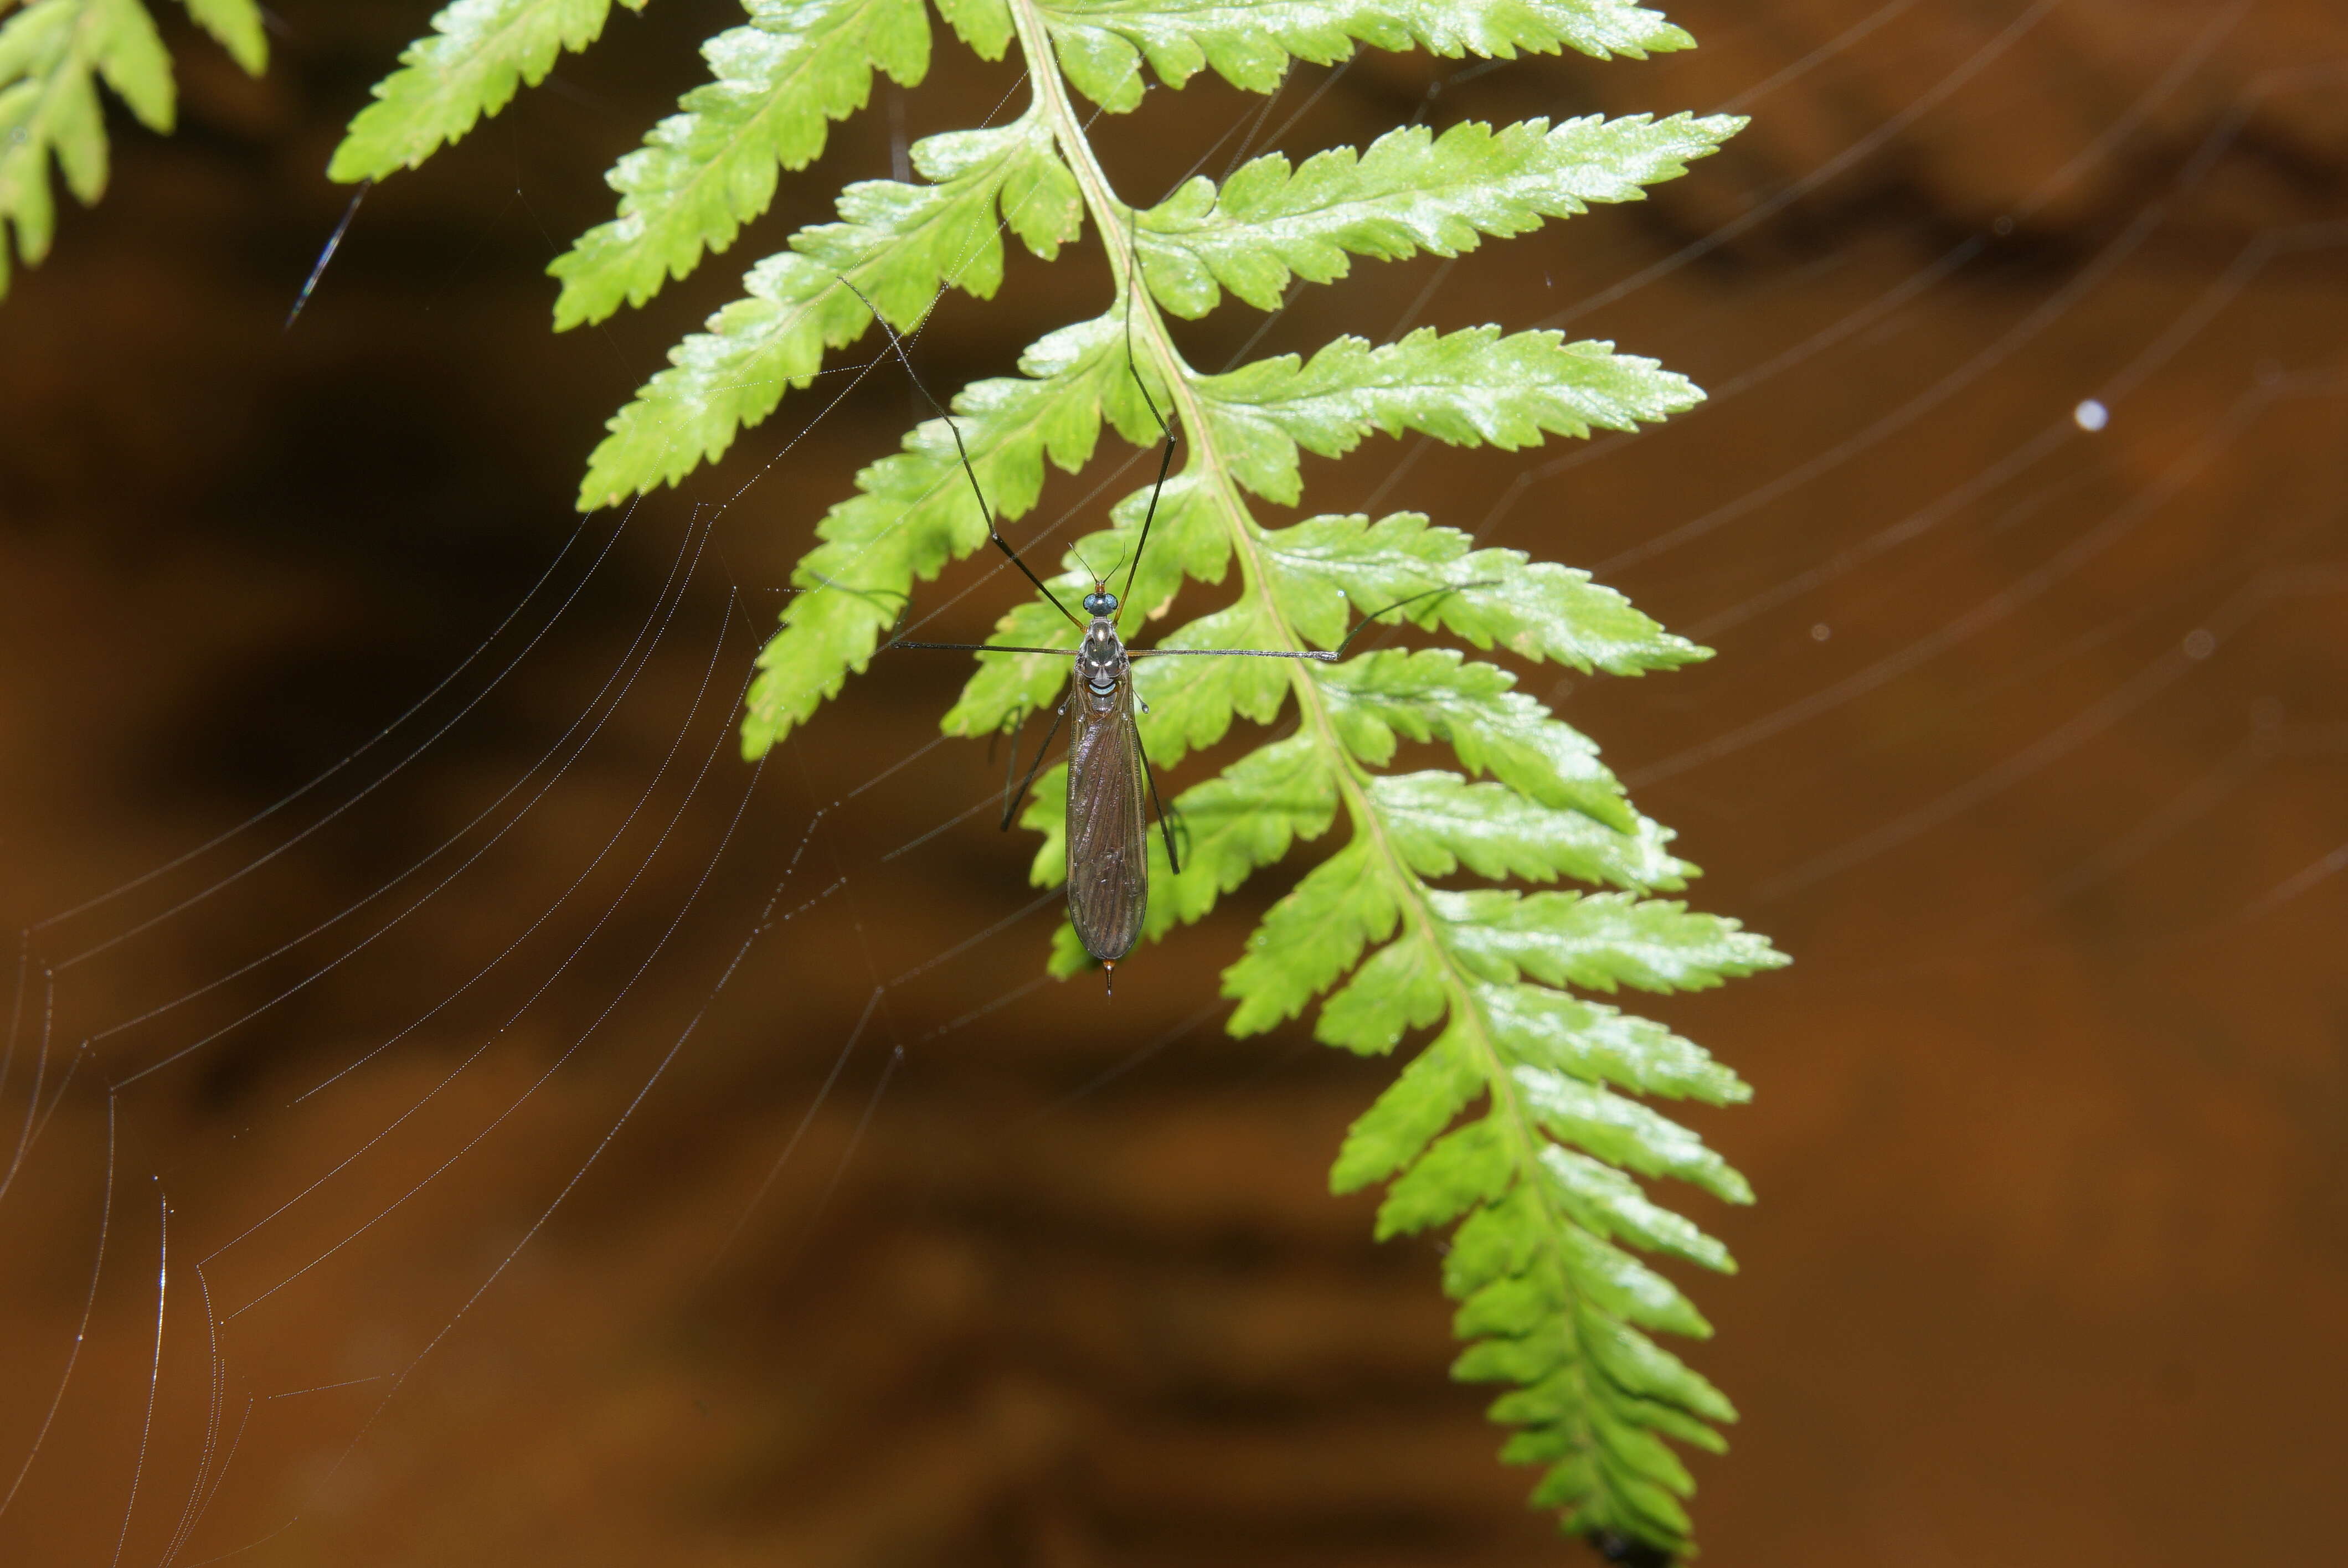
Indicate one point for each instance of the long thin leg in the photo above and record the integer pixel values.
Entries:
(1165, 827)
(904, 600)
(1011, 805)
(1214, 653)
(1328, 658)
(1166, 456)
(984, 510)
(1414, 599)
(979, 647)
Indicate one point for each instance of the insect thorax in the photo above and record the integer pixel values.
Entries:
(1101, 664)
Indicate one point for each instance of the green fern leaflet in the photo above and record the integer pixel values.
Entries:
(1525, 1117)
(53, 56)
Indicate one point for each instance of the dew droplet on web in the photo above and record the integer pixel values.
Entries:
(2091, 415)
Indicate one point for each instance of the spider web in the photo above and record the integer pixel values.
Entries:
(453, 1110)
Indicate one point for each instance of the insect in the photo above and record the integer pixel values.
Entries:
(1109, 774)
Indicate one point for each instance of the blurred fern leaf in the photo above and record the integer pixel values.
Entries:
(1525, 1117)
(53, 56)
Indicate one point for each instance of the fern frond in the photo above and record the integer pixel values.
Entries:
(1411, 191)
(1101, 43)
(478, 55)
(707, 169)
(53, 56)
(1438, 914)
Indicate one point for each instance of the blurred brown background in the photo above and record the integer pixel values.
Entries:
(2027, 741)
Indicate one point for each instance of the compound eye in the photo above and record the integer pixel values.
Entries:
(1099, 603)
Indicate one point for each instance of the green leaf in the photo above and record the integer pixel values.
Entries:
(479, 52)
(1047, 814)
(1467, 387)
(122, 43)
(236, 25)
(1637, 1364)
(1647, 1511)
(1597, 942)
(1557, 1406)
(1612, 1281)
(1411, 191)
(1326, 570)
(707, 169)
(1502, 1238)
(1439, 821)
(1464, 1168)
(984, 24)
(1543, 1028)
(1101, 43)
(1440, 1082)
(1605, 1201)
(1624, 1132)
(1244, 819)
(1382, 698)
(1402, 988)
(896, 243)
(1193, 701)
(1533, 1343)
(1534, 1304)
(1309, 939)
(1006, 687)
(53, 55)
(1641, 1456)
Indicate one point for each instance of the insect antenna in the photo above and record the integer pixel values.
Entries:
(984, 510)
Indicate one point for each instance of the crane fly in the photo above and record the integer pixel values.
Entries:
(1110, 775)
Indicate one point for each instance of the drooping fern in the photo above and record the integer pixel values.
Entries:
(53, 55)
(1526, 1116)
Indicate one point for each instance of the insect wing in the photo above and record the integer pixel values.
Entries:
(1108, 856)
